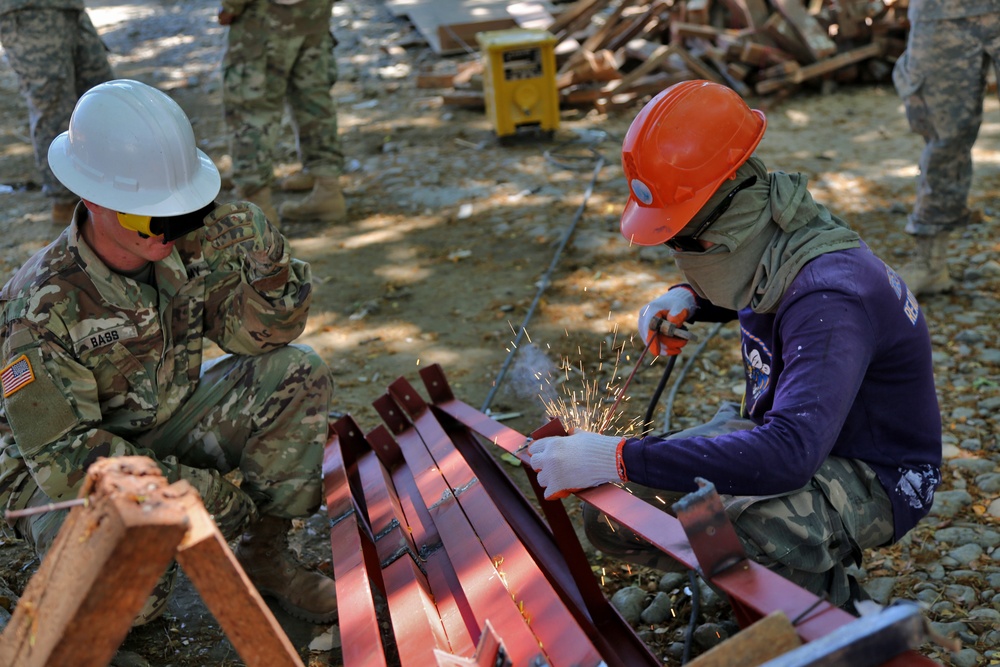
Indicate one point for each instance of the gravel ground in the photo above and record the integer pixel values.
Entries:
(439, 262)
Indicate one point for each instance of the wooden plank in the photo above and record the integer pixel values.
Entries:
(697, 66)
(659, 56)
(600, 66)
(645, 24)
(785, 37)
(748, 13)
(807, 28)
(818, 69)
(228, 593)
(358, 620)
(105, 561)
(752, 646)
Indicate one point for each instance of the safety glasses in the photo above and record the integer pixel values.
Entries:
(171, 227)
(137, 223)
(690, 243)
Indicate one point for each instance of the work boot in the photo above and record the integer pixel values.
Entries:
(262, 198)
(62, 212)
(297, 181)
(324, 204)
(264, 554)
(927, 272)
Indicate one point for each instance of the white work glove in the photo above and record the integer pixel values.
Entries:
(241, 227)
(675, 307)
(578, 461)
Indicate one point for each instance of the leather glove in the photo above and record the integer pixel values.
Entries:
(231, 508)
(241, 227)
(676, 307)
(578, 461)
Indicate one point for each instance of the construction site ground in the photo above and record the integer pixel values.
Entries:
(454, 241)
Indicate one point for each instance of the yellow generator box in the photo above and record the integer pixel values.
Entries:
(519, 79)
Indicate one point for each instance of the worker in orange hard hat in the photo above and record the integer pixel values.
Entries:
(836, 446)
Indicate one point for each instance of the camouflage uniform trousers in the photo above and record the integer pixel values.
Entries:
(265, 415)
(809, 536)
(261, 72)
(942, 79)
(57, 56)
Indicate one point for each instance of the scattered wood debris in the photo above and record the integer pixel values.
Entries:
(614, 53)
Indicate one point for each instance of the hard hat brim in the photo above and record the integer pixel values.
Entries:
(202, 188)
(645, 225)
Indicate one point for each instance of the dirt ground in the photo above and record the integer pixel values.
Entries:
(454, 242)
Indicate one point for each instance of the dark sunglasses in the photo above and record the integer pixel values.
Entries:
(690, 243)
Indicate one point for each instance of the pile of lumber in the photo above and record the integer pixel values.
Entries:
(613, 53)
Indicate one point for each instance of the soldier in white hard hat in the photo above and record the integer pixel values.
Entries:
(102, 343)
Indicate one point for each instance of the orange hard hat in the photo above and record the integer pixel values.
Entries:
(679, 149)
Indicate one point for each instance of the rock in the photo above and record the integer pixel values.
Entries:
(989, 483)
(967, 657)
(880, 588)
(659, 610)
(672, 581)
(949, 503)
(708, 635)
(994, 508)
(630, 601)
(967, 553)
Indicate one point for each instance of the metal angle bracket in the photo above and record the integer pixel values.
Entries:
(713, 538)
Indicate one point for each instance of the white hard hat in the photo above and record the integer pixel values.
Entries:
(131, 148)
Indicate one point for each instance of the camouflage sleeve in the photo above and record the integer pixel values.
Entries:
(250, 315)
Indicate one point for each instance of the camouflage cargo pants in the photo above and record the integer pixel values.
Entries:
(944, 105)
(262, 72)
(809, 536)
(266, 416)
(57, 56)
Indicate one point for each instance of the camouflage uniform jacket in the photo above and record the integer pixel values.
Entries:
(7, 6)
(936, 10)
(93, 359)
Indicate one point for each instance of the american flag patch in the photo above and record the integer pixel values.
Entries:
(16, 375)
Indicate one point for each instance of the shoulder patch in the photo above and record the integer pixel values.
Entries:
(17, 375)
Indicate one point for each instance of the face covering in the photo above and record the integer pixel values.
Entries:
(768, 234)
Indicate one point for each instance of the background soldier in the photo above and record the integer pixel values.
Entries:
(102, 341)
(57, 55)
(942, 80)
(281, 52)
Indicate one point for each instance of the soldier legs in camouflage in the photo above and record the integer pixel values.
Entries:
(57, 56)
(266, 416)
(945, 107)
(314, 115)
(253, 94)
(809, 536)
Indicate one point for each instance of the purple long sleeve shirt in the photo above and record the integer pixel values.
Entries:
(842, 368)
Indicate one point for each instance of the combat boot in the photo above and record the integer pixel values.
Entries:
(927, 272)
(324, 204)
(62, 212)
(297, 181)
(262, 198)
(264, 554)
